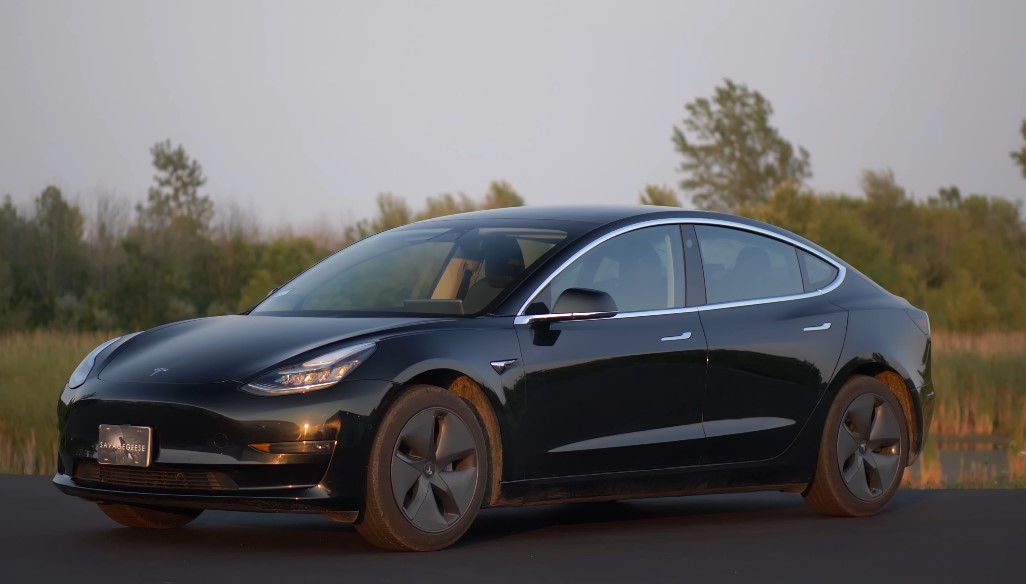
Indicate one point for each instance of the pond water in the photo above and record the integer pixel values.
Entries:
(975, 461)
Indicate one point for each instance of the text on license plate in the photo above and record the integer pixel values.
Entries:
(124, 445)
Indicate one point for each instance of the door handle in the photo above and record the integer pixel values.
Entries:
(680, 337)
(821, 327)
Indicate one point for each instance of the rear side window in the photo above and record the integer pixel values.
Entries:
(818, 273)
(740, 265)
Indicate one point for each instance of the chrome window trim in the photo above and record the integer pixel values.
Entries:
(841, 271)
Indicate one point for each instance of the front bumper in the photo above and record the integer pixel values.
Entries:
(202, 456)
(312, 499)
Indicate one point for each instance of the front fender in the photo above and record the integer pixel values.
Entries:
(442, 355)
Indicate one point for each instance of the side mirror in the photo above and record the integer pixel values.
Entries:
(578, 304)
(579, 300)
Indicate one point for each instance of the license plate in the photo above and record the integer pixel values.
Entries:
(124, 445)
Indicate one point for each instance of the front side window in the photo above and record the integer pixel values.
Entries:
(642, 270)
(740, 265)
(425, 270)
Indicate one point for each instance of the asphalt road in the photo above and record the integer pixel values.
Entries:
(924, 536)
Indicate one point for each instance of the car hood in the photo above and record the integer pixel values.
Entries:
(234, 347)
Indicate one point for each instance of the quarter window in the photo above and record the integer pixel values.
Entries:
(740, 265)
(818, 273)
(641, 270)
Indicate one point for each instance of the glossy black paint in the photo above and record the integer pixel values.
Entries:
(633, 403)
(602, 408)
(766, 374)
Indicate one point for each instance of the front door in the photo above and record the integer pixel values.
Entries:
(622, 393)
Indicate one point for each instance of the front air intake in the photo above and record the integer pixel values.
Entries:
(89, 473)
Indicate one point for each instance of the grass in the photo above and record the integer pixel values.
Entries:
(33, 370)
(980, 412)
(981, 405)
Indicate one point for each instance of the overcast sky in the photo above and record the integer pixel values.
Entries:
(307, 110)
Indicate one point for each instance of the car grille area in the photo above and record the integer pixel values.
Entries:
(93, 474)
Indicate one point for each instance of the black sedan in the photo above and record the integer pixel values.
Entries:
(512, 357)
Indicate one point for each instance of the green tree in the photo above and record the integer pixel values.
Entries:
(7, 296)
(169, 256)
(500, 195)
(233, 261)
(175, 197)
(961, 304)
(949, 197)
(890, 212)
(58, 265)
(106, 227)
(14, 247)
(732, 155)
(1019, 156)
(446, 204)
(662, 196)
(393, 211)
(280, 261)
(999, 219)
(795, 209)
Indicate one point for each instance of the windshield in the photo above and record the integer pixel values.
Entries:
(432, 270)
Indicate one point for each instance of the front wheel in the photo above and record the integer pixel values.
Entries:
(148, 517)
(426, 473)
(863, 451)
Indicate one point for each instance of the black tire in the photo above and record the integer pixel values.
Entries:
(427, 473)
(863, 451)
(148, 517)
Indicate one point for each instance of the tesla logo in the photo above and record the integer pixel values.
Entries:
(157, 370)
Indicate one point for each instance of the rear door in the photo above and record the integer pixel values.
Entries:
(774, 340)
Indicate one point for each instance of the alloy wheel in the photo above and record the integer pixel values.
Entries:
(869, 446)
(434, 469)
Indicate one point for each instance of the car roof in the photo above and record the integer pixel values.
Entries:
(601, 215)
(597, 214)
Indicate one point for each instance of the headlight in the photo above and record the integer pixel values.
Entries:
(318, 373)
(78, 376)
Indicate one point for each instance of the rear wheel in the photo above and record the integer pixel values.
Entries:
(426, 473)
(148, 517)
(862, 453)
